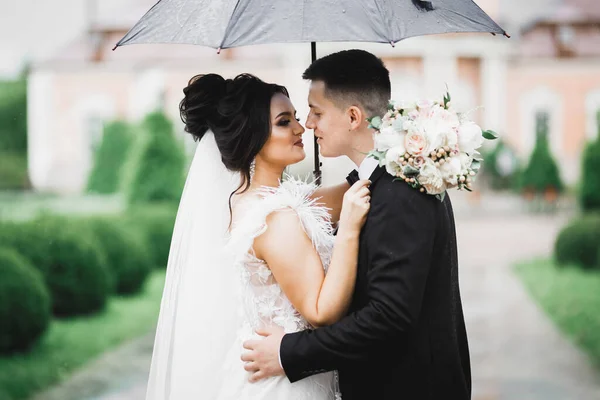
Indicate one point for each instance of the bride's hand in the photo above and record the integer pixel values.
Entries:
(356, 204)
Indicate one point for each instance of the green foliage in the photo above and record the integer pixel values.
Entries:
(13, 117)
(541, 172)
(73, 265)
(571, 298)
(155, 223)
(13, 171)
(589, 195)
(578, 243)
(159, 163)
(126, 252)
(501, 167)
(105, 177)
(24, 303)
(72, 343)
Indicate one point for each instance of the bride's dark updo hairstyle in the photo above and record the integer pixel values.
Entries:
(237, 111)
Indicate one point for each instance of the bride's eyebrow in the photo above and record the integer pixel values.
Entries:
(288, 113)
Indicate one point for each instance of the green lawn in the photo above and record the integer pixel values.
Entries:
(69, 344)
(571, 297)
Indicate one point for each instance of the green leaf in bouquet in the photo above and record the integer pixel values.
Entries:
(476, 165)
(375, 122)
(490, 135)
(409, 171)
(391, 106)
(441, 196)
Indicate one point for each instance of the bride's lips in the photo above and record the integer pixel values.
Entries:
(299, 143)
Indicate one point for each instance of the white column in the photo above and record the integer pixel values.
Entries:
(42, 146)
(493, 85)
(440, 70)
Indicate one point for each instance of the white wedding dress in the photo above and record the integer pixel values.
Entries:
(264, 303)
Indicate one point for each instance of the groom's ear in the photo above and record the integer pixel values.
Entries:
(356, 117)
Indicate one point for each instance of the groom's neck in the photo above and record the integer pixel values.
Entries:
(362, 144)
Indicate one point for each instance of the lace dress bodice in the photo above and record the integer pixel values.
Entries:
(265, 304)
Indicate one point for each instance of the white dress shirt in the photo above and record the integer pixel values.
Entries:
(366, 167)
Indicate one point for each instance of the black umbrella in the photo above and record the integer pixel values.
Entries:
(224, 24)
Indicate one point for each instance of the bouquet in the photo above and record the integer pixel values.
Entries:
(429, 145)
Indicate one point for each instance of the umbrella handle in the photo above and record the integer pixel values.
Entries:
(317, 172)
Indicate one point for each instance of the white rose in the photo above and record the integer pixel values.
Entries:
(470, 137)
(431, 178)
(450, 170)
(451, 138)
(415, 143)
(465, 162)
(388, 138)
(392, 160)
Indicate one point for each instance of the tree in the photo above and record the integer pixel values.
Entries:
(106, 175)
(541, 172)
(159, 163)
(589, 195)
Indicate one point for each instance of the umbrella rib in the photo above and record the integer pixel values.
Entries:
(387, 26)
(237, 4)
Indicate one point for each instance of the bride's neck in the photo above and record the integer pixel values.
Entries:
(266, 175)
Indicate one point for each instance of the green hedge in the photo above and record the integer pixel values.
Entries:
(25, 306)
(158, 165)
(106, 174)
(155, 223)
(73, 265)
(578, 243)
(127, 253)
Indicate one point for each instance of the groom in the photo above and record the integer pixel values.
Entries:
(404, 336)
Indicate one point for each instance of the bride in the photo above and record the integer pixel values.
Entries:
(249, 250)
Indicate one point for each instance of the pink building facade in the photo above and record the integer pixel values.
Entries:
(550, 65)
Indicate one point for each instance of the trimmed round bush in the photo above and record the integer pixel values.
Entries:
(579, 243)
(155, 223)
(73, 265)
(127, 254)
(25, 306)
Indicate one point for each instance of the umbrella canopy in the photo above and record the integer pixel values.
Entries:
(232, 23)
(224, 24)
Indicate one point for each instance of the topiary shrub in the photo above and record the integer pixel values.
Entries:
(579, 242)
(158, 168)
(589, 196)
(105, 177)
(25, 306)
(13, 117)
(127, 255)
(541, 172)
(73, 265)
(501, 167)
(13, 171)
(155, 223)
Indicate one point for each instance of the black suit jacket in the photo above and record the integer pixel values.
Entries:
(405, 336)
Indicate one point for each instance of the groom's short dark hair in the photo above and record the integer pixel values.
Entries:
(353, 77)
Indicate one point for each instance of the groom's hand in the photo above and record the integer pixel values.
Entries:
(262, 359)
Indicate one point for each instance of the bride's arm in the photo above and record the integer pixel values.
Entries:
(332, 197)
(321, 298)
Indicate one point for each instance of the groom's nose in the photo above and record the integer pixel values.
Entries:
(310, 122)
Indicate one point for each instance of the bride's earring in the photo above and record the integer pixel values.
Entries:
(252, 168)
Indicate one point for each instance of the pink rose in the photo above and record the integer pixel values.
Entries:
(415, 143)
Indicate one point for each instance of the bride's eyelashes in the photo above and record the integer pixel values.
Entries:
(286, 122)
